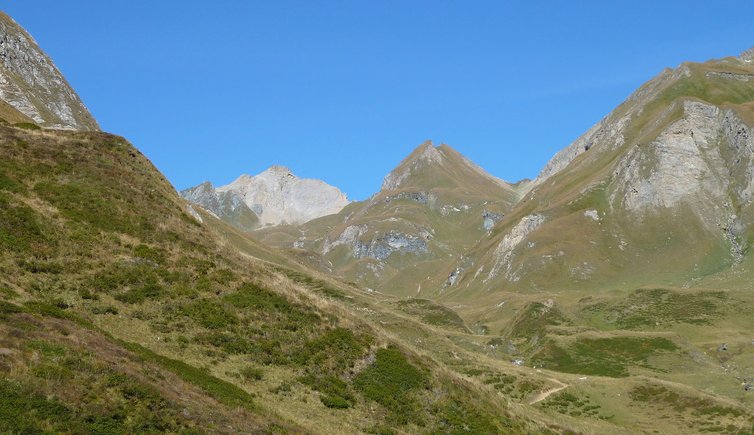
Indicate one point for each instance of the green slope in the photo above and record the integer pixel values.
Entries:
(116, 279)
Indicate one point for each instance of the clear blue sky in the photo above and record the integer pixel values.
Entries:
(343, 90)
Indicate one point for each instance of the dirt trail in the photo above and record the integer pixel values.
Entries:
(545, 394)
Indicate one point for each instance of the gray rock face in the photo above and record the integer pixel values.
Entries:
(31, 83)
(419, 197)
(275, 196)
(609, 133)
(219, 203)
(382, 246)
(748, 55)
(505, 251)
(225, 205)
(704, 158)
(489, 219)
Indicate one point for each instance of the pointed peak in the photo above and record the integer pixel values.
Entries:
(748, 55)
(429, 166)
(278, 169)
(32, 84)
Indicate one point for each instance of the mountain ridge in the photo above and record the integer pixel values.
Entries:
(31, 83)
(274, 197)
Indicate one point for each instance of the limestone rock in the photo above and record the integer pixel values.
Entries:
(275, 196)
(33, 85)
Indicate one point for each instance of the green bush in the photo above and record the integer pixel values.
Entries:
(152, 254)
(252, 374)
(334, 392)
(333, 352)
(209, 314)
(20, 228)
(390, 381)
(230, 343)
(24, 411)
(148, 290)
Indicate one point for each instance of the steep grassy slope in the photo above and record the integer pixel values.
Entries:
(123, 312)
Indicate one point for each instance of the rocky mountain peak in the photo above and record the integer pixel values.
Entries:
(429, 166)
(276, 196)
(278, 170)
(32, 84)
(748, 55)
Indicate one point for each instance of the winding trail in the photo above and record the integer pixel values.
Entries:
(545, 394)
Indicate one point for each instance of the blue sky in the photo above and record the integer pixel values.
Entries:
(343, 90)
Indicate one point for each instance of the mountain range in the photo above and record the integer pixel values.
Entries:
(611, 294)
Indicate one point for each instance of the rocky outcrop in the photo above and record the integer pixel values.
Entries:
(226, 205)
(275, 196)
(31, 83)
(748, 55)
(489, 219)
(379, 246)
(504, 252)
(701, 159)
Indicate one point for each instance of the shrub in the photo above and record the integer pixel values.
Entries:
(152, 254)
(334, 392)
(230, 343)
(20, 228)
(252, 374)
(333, 352)
(148, 290)
(209, 314)
(389, 381)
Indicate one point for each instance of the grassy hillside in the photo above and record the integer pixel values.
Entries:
(121, 312)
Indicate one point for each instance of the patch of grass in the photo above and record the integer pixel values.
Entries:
(209, 314)
(333, 352)
(148, 290)
(391, 380)
(8, 293)
(223, 391)
(333, 391)
(230, 343)
(569, 404)
(314, 284)
(46, 349)
(94, 205)
(602, 356)
(512, 386)
(653, 307)
(25, 411)
(21, 229)
(433, 313)
(701, 413)
(27, 126)
(264, 304)
(154, 255)
(458, 417)
(6, 309)
(252, 373)
(108, 309)
(534, 319)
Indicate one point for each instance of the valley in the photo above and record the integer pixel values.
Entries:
(611, 294)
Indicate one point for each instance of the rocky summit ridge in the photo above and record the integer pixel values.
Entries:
(276, 196)
(32, 84)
